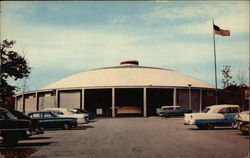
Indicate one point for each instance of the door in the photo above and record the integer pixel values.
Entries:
(230, 114)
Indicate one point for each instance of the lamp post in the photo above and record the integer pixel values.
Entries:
(189, 96)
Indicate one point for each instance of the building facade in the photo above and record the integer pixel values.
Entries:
(126, 89)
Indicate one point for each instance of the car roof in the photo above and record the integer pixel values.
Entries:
(223, 106)
(216, 108)
(41, 111)
(58, 109)
(175, 106)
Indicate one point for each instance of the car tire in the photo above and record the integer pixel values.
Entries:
(167, 115)
(201, 127)
(10, 139)
(246, 131)
(209, 126)
(66, 126)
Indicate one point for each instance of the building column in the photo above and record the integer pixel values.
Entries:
(113, 102)
(200, 100)
(174, 97)
(23, 103)
(145, 102)
(57, 99)
(190, 96)
(82, 99)
(16, 108)
(37, 101)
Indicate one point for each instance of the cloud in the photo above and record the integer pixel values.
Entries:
(233, 16)
(185, 46)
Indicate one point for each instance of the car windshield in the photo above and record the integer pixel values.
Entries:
(54, 114)
(11, 116)
(206, 110)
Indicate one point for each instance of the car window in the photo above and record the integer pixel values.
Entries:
(47, 115)
(2, 116)
(206, 110)
(222, 111)
(9, 115)
(57, 112)
(35, 115)
(232, 110)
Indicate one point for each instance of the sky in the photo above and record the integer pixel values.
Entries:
(62, 38)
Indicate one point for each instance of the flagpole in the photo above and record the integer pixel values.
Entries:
(215, 67)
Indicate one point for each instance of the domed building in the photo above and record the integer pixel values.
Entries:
(126, 89)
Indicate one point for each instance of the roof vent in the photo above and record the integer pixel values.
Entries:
(130, 63)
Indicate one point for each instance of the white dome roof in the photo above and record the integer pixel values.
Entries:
(128, 76)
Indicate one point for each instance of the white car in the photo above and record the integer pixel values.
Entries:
(242, 122)
(63, 112)
(243, 116)
(216, 115)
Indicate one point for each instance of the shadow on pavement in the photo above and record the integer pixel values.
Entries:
(91, 121)
(83, 127)
(32, 138)
(246, 136)
(197, 129)
(36, 144)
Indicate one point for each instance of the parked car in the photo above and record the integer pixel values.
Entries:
(82, 111)
(48, 119)
(244, 127)
(63, 112)
(12, 129)
(238, 118)
(216, 115)
(242, 122)
(168, 111)
(34, 128)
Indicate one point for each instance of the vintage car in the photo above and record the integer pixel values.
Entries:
(82, 111)
(48, 119)
(12, 129)
(63, 112)
(34, 128)
(242, 122)
(216, 115)
(168, 111)
(238, 118)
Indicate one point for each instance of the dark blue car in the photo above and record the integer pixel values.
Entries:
(48, 119)
(168, 111)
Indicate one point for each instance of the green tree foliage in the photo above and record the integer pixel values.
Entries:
(13, 65)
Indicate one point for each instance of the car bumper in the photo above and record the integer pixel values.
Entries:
(83, 120)
(235, 124)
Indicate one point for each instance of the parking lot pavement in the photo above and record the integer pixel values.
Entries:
(140, 138)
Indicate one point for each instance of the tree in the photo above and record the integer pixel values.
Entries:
(13, 66)
(241, 76)
(226, 72)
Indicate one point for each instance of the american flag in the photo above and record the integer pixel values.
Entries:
(219, 31)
